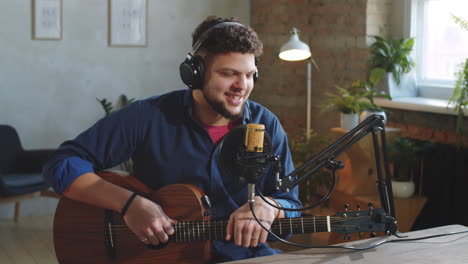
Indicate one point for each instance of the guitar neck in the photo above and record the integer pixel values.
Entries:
(301, 225)
(216, 229)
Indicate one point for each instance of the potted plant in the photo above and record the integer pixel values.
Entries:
(460, 100)
(405, 155)
(122, 101)
(460, 92)
(348, 102)
(394, 57)
(357, 99)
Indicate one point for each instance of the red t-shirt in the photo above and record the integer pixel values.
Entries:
(217, 132)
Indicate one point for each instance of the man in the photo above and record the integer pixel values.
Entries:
(172, 139)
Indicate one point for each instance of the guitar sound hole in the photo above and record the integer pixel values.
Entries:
(158, 246)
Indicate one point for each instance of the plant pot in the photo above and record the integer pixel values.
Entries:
(348, 121)
(406, 88)
(366, 113)
(403, 189)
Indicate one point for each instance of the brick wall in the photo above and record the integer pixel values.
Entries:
(426, 126)
(336, 32)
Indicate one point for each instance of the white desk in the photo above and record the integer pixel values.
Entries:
(447, 249)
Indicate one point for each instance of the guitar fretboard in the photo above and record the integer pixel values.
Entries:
(216, 229)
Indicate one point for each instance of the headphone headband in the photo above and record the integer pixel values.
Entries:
(192, 69)
(204, 35)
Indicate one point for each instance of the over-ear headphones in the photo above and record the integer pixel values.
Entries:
(192, 69)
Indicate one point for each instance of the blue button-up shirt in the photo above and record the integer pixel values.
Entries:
(168, 145)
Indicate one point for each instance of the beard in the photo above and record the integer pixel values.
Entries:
(219, 108)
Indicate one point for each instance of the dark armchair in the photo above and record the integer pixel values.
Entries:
(20, 170)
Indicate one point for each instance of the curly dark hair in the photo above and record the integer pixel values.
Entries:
(227, 39)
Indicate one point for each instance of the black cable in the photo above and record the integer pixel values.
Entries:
(251, 205)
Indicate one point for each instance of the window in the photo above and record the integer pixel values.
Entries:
(441, 45)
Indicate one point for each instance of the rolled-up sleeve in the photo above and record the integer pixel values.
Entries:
(59, 173)
(106, 144)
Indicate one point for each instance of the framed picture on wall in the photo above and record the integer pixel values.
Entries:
(47, 19)
(128, 23)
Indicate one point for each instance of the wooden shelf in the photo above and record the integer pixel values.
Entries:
(359, 175)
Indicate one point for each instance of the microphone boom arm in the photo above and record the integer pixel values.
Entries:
(327, 158)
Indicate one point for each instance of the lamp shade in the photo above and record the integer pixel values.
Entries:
(295, 49)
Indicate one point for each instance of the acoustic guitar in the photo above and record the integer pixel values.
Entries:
(88, 234)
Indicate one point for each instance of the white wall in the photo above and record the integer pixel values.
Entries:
(48, 89)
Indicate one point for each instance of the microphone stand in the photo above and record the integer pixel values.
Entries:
(327, 158)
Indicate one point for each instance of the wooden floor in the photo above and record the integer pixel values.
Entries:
(28, 241)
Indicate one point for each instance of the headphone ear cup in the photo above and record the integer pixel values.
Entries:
(192, 72)
(199, 66)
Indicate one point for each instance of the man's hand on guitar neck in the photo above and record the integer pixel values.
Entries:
(243, 227)
(149, 222)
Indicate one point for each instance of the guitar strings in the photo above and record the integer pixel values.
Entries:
(284, 221)
(186, 231)
(191, 230)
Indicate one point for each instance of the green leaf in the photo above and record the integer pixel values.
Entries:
(376, 74)
(124, 100)
(460, 21)
(107, 106)
(396, 76)
(460, 99)
(392, 55)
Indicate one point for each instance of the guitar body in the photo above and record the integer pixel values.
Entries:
(81, 236)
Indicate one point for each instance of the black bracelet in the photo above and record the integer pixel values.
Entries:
(127, 204)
